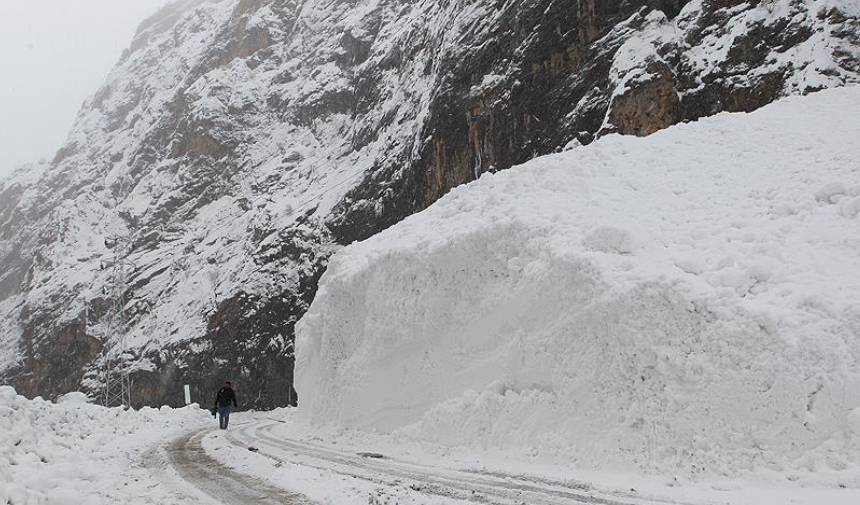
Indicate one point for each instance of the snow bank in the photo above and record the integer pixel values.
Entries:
(74, 452)
(687, 302)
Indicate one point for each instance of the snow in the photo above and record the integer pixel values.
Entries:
(318, 483)
(332, 482)
(289, 129)
(812, 63)
(682, 305)
(24, 175)
(631, 61)
(679, 305)
(75, 453)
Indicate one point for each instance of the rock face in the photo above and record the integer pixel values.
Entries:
(239, 143)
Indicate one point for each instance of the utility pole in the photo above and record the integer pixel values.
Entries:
(117, 380)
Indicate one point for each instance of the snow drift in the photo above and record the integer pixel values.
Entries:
(75, 453)
(686, 302)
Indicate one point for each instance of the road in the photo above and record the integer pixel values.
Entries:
(220, 483)
(230, 488)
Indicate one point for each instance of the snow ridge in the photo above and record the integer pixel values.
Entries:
(684, 303)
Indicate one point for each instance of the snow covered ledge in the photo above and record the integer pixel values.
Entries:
(686, 302)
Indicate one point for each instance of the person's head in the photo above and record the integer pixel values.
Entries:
(228, 384)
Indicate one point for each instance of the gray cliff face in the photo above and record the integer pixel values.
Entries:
(239, 143)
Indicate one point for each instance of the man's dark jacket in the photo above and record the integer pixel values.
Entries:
(225, 397)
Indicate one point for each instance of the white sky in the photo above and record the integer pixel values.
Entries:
(53, 55)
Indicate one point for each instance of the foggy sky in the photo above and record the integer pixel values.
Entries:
(53, 55)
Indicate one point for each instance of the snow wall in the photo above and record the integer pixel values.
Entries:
(685, 302)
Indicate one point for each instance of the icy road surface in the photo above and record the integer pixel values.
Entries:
(252, 447)
(219, 482)
(270, 458)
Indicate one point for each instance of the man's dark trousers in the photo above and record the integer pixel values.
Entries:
(224, 416)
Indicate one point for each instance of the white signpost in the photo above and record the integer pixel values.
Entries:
(187, 394)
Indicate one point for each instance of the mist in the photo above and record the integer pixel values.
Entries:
(56, 53)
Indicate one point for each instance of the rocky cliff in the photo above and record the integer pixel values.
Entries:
(239, 143)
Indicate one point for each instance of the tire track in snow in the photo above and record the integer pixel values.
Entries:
(216, 480)
(472, 486)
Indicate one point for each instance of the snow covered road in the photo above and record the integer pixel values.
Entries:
(219, 482)
(431, 481)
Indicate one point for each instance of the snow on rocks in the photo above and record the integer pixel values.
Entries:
(74, 398)
(519, 313)
(76, 453)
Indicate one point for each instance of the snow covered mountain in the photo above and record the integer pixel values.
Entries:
(685, 304)
(239, 143)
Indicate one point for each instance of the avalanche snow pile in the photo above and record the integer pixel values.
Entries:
(75, 453)
(687, 302)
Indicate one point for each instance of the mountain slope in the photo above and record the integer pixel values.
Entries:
(239, 143)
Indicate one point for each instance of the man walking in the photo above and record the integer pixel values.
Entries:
(225, 400)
